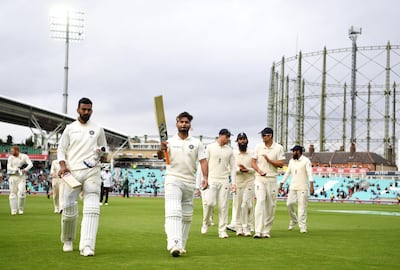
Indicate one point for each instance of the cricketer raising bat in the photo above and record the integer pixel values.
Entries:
(161, 123)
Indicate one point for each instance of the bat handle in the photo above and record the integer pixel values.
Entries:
(166, 157)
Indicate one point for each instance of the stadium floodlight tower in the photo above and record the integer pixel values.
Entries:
(353, 34)
(68, 25)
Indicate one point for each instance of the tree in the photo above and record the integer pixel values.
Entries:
(29, 141)
(9, 140)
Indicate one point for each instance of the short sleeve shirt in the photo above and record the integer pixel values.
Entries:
(183, 155)
(274, 152)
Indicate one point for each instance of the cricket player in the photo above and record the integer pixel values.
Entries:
(243, 204)
(79, 142)
(268, 156)
(180, 183)
(300, 169)
(18, 165)
(221, 164)
(202, 192)
(57, 185)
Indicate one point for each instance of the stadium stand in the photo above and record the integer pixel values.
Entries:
(142, 181)
(348, 188)
(23, 148)
(150, 182)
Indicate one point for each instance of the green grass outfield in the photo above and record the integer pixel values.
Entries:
(131, 236)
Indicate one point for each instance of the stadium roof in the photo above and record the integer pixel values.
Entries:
(23, 114)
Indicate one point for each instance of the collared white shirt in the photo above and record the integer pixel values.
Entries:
(243, 159)
(107, 178)
(221, 162)
(274, 152)
(79, 142)
(183, 155)
(301, 172)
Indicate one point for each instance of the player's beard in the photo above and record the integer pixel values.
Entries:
(295, 156)
(242, 147)
(184, 131)
(84, 117)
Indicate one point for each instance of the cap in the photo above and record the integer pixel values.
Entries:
(297, 148)
(224, 131)
(266, 131)
(241, 135)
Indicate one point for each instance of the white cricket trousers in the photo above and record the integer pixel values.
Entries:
(243, 205)
(179, 196)
(91, 181)
(301, 197)
(217, 191)
(234, 211)
(204, 205)
(17, 193)
(266, 192)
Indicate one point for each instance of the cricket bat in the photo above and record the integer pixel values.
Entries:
(161, 123)
(70, 180)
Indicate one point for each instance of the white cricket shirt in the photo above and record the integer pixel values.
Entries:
(274, 152)
(221, 163)
(183, 155)
(79, 142)
(244, 159)
(301, 172)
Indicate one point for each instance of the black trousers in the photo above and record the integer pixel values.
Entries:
(104, 193)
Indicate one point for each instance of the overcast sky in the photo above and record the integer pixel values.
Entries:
(208, 57)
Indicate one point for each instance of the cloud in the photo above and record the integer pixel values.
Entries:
(211, 58)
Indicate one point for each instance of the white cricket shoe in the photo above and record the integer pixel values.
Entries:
(231, 227)
(87, 251)
(175, 252)
(20, 212)
(223, 235)
(247, 232)
(257, 235)
(266, 235)
(291, 225)
(68, 247)
(204, 229)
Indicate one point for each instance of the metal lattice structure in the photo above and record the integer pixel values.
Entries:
(334, 98)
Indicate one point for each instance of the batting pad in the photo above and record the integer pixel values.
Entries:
(21, 200)
(69, 221)
(185, 232)
(173, 217)
(13, 202)
(173, 228)
(90, 221)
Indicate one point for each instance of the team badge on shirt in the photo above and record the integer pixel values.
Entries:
(191, 146)
(91, 132)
